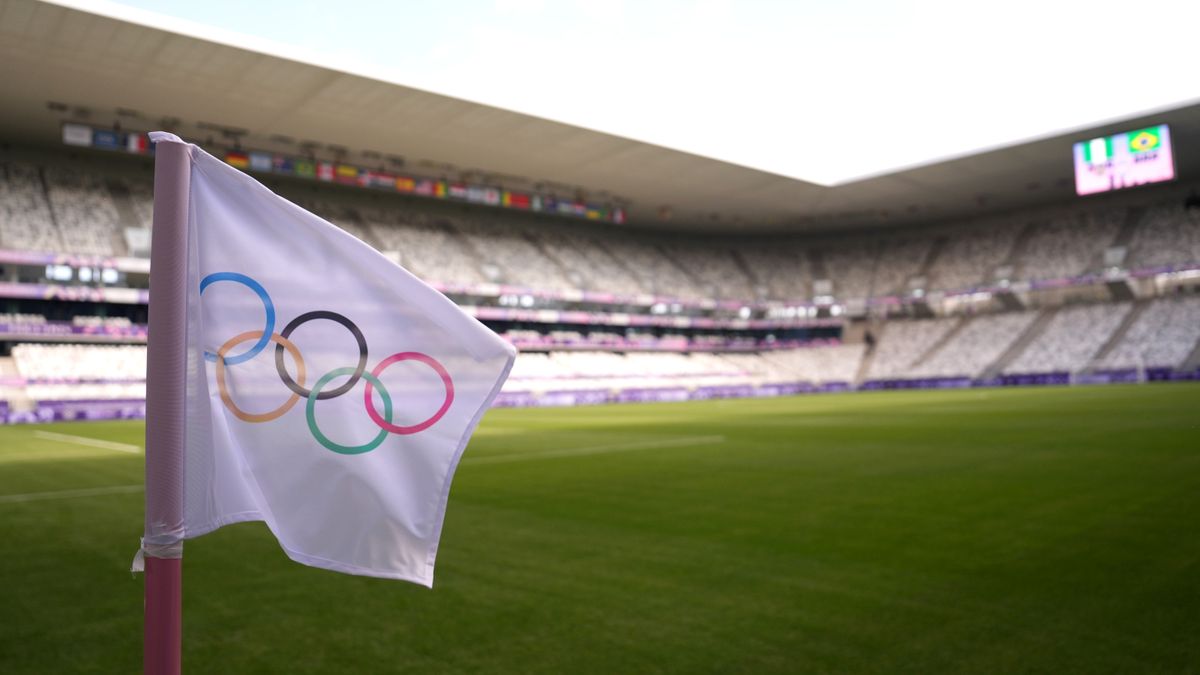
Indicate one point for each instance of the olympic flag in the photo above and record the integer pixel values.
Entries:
(297, 377)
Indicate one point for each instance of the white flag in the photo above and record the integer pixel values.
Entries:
(330, 393)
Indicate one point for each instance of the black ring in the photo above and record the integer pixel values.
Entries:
(332, 316)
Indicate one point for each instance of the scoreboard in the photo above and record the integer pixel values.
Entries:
(1124, 160)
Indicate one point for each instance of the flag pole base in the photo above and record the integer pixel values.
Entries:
(163, 634)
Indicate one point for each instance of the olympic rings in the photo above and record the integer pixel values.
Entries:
(332, 316)
(405, 356)
(268, 325)
(345, 449)
(359, 371)
(228, 400)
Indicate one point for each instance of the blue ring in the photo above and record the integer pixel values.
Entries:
(268, 327)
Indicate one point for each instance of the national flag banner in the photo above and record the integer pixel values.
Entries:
(282, 164)
(346, 174)
(77, 134)
(108, 140)
(1098, 150)
(324, 171)
(405, 184)
(439, 189)
(1144, 140)
(237, 159)
(518, 200)
(137, 143)
(261, 161)
(328, 393)
(305, 168)
(381, 179)
(474, 193)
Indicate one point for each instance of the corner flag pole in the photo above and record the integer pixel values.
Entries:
(165, 398)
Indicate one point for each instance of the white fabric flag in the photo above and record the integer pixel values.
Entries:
(330, 393)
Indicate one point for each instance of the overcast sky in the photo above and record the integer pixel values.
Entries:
(822, 91)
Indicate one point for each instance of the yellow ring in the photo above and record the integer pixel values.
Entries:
(228, 400)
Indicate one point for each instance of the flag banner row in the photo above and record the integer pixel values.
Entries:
(349, 174)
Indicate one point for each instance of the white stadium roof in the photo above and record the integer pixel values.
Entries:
(101, 64)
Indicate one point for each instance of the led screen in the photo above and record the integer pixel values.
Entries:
(1124, 160)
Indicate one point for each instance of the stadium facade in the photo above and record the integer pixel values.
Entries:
(623, 271)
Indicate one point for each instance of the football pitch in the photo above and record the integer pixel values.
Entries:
(991, 531)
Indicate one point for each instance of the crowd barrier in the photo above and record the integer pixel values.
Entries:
(59, 411)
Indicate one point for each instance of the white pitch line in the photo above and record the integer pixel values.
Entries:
(90, 442)
(597, 449)
(70, 494)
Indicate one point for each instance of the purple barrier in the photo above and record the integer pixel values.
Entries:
(514, 399)
(918, 383)
(667, 345)
(54, 411)
(647, 395)
(724, 391)
(1117, 376)
(570, 398)
(66, 411)
(1033, 379)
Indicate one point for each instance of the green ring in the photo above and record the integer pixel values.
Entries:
(312, 420)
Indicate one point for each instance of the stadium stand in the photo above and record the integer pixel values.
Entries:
(22, 319)
(902, 343)
(588, 264)
(969, 256)
(84, 212)
(899, 261)
(714, 267)
(101, 321)
(74, 210)
(79, 209)
(818, 365)
(1162, 336)
(26, 221)
(654, 271)
(850, 266)
(1071, 339)
(81, 372)
(511, 256)
(975, 346)
(1168, 235)
(425, 246)
(780, 272)
(1069, 244)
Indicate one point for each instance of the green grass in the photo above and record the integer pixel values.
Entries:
(1046, 530)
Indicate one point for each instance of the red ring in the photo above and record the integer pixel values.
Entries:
(407, 356)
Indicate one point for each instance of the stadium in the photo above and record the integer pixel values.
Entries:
(938, 419)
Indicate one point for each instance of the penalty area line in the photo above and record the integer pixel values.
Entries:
(89, 442)
(70, 494)
(597, 449)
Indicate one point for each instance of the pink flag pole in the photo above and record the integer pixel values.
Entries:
(165, 398)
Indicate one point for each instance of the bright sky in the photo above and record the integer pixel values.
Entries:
(822, 90)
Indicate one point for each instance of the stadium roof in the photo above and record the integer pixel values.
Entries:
(102, 64)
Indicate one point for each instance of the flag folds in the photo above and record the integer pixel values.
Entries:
(329, 392)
